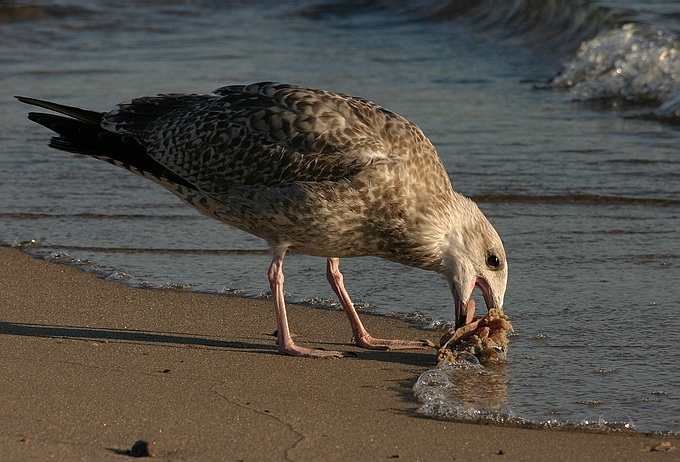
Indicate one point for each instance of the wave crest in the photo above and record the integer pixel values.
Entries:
(533, 23)
(624, 64)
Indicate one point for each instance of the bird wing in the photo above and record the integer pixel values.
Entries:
(262, 134)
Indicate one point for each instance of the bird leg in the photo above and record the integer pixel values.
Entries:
(361, 335)
(285, 340)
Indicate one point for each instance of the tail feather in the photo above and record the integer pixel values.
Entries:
(79, 132)
(90, 139)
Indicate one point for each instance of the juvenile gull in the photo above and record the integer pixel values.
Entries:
(322, 173)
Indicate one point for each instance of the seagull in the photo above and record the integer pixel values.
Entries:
(322, 173)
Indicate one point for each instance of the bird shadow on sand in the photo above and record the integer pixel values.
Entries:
(405, 357)
(255, 345)
(129, 336)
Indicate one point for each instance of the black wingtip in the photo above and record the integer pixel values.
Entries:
(31, 101)
(83, 115)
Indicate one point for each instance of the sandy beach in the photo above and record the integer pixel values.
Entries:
(88, 367)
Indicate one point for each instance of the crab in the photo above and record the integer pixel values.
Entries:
(485, 337)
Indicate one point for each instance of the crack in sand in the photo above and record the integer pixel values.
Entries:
(300, 437)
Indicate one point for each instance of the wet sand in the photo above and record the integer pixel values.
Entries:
(88, 367)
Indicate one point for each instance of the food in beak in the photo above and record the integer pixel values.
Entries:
(485, 337)
(466, 314)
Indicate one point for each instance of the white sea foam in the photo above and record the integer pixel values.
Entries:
(463, 390)
(450, 392)
(629, 63)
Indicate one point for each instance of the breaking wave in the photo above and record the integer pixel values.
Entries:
(631, 64)
(611, 54)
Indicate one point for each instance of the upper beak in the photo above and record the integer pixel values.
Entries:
(465, 306)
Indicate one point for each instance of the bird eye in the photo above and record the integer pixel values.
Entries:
(493, 261)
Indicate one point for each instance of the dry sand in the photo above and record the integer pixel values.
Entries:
(88, 367)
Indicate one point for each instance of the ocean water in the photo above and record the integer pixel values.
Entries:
(560, 118)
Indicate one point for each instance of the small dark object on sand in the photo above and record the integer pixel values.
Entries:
(143, 448)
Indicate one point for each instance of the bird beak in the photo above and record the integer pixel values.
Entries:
(465, 305)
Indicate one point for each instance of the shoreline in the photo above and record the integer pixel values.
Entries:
(90, 366)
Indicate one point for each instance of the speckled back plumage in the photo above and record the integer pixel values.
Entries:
(325, 173)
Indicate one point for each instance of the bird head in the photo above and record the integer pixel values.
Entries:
(474, 256)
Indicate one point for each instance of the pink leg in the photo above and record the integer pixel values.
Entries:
(285, 341)
(361, 335)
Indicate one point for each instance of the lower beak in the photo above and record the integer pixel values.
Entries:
(465, 313)
(465, 310)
